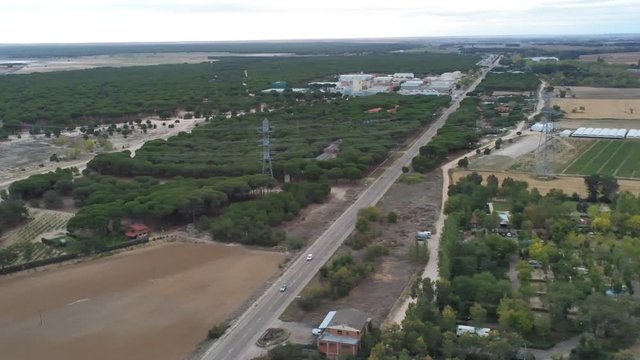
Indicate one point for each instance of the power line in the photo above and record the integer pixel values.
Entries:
(267, 167)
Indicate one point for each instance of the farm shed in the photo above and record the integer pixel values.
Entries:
(605, 133)
(565, 133)
(633, 134)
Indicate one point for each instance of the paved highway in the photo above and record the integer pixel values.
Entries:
(247, 329)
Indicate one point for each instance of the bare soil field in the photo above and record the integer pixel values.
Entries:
(563, 152)
(505, 157)
(417, 206)
(599, 108)
(151, 303)
(586, 92)
(626, 58)
(567, 184)
(314, 219)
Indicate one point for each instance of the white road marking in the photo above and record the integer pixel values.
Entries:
(78, 301)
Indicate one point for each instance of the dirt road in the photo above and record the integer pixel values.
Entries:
(149, 303)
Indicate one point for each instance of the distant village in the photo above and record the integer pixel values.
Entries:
(371, 84)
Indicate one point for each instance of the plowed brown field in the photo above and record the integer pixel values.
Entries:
(151, 303)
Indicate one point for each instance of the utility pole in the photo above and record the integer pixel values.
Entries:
(267, 168)
(545, 152)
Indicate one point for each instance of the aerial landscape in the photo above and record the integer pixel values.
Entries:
(252, 181)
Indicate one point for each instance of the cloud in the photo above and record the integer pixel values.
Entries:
(212, 20)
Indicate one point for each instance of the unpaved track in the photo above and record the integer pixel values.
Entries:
(150, 303)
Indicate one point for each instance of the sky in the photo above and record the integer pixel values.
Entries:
(73, 21)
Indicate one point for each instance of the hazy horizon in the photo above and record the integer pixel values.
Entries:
(147, 21)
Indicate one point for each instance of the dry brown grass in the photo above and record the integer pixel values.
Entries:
(614, 58)
(568, 184)
(599, 108)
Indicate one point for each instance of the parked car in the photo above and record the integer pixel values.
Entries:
(283, 288)
(535, 264)
(316, 332)
(309, 257)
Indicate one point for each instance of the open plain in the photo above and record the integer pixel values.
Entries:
(150, 303)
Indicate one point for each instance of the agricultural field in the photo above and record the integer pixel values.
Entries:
(608, 157)
(599, 108)
(25, 241)
(625, 58)
(586, 92)
(150, 303)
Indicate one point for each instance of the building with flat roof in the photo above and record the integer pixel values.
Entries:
(403, 75)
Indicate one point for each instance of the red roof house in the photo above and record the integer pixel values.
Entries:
(135, 231)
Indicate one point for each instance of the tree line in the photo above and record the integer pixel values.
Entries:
(459, 132)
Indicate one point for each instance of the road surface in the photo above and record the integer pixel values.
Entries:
(247, 329)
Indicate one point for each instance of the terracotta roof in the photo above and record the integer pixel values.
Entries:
(137, 227)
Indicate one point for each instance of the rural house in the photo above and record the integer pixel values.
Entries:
(504, 218)
(135, 231)
(342, 331)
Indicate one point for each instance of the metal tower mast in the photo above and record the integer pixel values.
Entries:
(267, 168)
(545, 147)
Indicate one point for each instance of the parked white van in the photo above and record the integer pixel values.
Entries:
(465, 329)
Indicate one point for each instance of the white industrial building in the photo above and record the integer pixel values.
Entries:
(383, 80)
(403, 75)
(421, 91)
(355, 83)
(600, 133)
(411, 84)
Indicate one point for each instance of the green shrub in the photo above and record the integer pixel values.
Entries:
(217, 331)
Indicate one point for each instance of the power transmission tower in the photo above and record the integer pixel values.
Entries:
(267, 168)
(544, 154)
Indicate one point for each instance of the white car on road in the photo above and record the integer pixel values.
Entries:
(309, 257)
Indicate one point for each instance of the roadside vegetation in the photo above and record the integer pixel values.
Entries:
(507, 82)
(458, 133)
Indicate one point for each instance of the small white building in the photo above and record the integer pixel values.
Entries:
(403, 75)
(539, 127)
